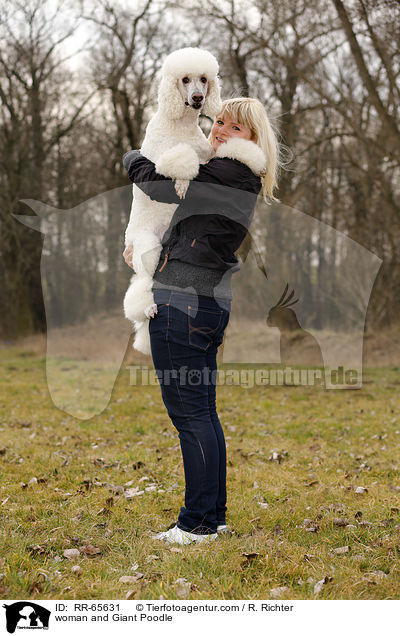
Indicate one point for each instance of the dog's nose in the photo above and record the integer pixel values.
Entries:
(197, 98)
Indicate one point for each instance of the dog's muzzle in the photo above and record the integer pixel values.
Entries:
(195, 106)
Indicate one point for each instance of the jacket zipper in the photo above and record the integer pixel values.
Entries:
(164, 263)
(167, 254)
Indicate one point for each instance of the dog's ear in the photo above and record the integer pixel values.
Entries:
(169, 98)
(213, 104)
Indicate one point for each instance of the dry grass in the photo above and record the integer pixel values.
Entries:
(327, 443)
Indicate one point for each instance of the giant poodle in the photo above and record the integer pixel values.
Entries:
(176, 144)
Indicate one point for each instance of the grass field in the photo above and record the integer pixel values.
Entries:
(296, 456)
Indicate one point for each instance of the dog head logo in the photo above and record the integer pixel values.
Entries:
(26, 615)
(331, 274)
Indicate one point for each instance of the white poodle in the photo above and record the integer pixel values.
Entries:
(176, 144)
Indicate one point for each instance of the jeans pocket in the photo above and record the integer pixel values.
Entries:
(203, 324)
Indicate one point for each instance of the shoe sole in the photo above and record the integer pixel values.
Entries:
(189, 542)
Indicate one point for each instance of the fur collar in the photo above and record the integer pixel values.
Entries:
(245, 151)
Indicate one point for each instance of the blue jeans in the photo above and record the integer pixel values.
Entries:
(185, 335)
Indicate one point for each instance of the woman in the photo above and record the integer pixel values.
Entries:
(192, 290)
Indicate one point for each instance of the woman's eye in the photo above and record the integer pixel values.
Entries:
(236, 128)
(185, 80)
(219, 121)
(204, 80)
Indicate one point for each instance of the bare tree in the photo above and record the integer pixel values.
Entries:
(31, 88)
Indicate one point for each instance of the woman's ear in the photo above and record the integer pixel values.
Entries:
(213, 104)
(170, 100)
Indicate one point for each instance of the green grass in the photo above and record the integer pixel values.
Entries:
(335, 441)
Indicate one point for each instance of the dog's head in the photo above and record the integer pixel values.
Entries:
(189, 80)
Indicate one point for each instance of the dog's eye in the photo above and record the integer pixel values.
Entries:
(204, 80)
(185, 80)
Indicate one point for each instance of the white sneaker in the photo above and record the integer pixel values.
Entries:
(223, 528)
(176, 535)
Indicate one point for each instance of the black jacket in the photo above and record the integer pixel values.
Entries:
(211, 222)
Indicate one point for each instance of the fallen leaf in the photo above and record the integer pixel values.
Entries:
(278, 592)
(128, 579)
(341, 522)
(35, 588)
(72, 553)
(90, 550)
(341, 550)
(130, 594)
(137, 465)
(365, 523)
(320, 584)
(377, 575)
(98, 461)
(182, 588)
(307, 523)
(250, 555)
(310, 526)
(133, 492)
(151, 557)
(278, 456)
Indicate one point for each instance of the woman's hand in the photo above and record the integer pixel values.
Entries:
(128, 255)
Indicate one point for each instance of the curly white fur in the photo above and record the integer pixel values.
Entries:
(181, 162)
(244, 150)
(176, 144)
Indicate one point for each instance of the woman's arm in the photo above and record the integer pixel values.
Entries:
(142, 172)
(218, 171)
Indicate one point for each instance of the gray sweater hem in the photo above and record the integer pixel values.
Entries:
(203, 281)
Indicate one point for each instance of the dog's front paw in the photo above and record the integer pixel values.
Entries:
(151, 310)
(179, 162)
(181, 186)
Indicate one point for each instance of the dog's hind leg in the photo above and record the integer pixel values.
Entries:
(138, 297)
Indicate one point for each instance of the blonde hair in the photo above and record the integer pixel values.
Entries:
(251, 113)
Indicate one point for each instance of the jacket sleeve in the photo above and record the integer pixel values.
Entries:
(219, 172)
(143, 173)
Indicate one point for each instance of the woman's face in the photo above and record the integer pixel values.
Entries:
(226, 127)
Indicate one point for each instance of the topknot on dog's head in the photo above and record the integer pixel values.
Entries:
(187, 61)
(190, 60)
